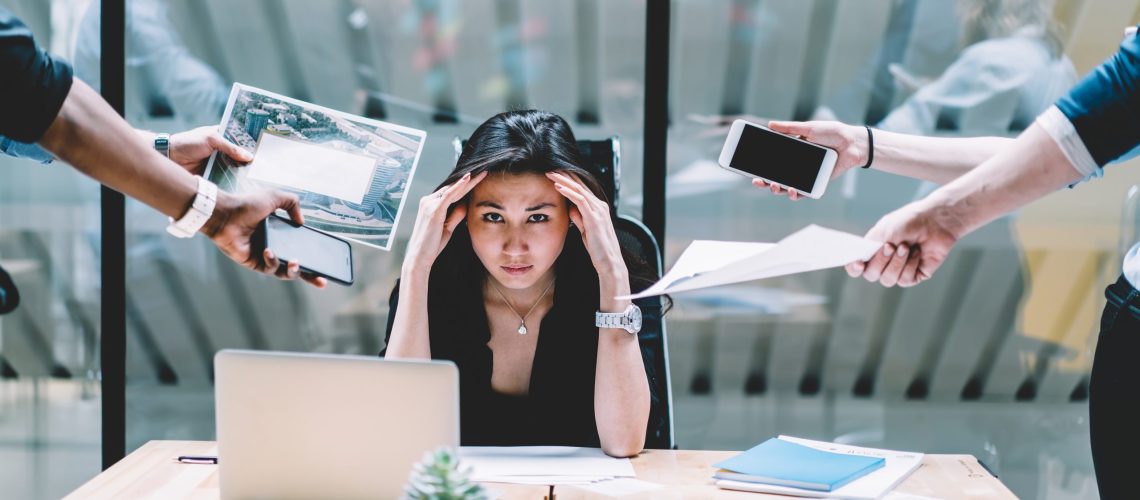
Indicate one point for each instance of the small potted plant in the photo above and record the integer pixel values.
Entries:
(440, 476)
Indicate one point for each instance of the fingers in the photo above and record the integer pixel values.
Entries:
(776, 189)
(892, 274)
(314, 280)
(909, 276)
(217, 142)
(855, 269)
(571, 190)
(878, 263)
(460, 188)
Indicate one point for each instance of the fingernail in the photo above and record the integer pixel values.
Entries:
(888, 250)
(558, 187)
(269, 254)
(903, 251)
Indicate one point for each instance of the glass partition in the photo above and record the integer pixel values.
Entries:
(439, 66)
(50, 399)
(990, 357)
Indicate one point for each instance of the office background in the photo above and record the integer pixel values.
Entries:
(991, 357)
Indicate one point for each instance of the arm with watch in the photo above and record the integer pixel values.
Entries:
(89, 135)
(621, 386)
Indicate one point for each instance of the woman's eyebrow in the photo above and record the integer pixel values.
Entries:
(486, 203)
(540, 206)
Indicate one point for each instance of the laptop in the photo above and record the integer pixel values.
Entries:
(294, 425)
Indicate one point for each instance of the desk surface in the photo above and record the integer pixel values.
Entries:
(152, 472)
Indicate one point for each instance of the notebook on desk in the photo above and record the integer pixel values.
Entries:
(785, 463)
(294, 425)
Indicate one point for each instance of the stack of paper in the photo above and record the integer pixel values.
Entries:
(543, 465)
(713, 263)
(898, 465)
(784, 463)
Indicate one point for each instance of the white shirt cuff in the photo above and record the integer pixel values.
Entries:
(1058, 126)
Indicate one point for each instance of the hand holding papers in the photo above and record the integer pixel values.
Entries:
(712, 263)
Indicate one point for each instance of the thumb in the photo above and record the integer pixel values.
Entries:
(289, 203)
(791, 128)
(576, 218)
(216, 141)
(454, 218)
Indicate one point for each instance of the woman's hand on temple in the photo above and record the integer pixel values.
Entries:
(435, 224)
(592, 216)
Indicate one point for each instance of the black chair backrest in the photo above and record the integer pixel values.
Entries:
(639, 241)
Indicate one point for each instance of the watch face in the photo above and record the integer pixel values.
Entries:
(635, 319)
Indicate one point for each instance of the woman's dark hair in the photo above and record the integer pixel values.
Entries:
(532, 141)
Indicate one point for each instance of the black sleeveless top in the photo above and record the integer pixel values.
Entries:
(559, 407)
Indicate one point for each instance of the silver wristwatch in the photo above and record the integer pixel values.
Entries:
(628, 320)
(162, 144)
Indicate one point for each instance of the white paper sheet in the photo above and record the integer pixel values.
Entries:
(543, 464)
(308, 167)
(900, 464)
(712, 263)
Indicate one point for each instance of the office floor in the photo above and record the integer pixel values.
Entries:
(49, 432)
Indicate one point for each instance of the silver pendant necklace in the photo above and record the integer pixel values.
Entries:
(522, 317)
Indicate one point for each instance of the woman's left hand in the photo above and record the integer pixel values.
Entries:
(592, 216)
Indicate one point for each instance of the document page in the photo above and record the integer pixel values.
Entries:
(308, 167)
(543, 464)
(707, 264)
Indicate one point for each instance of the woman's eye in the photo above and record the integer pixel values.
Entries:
(492, 217)
(538, 218)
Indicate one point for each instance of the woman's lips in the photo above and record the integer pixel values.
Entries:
(516, 270)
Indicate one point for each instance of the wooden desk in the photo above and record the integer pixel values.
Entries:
(688, 474)
(152, 472)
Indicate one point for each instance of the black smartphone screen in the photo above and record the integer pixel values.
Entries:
(777, 158)
(318, 252)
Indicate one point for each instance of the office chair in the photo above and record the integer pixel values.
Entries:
(603, 159)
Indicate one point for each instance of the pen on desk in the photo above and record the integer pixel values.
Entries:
(197, 459)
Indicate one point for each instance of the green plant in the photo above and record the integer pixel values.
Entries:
(441, 476)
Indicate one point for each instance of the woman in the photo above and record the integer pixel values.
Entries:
(509, 261)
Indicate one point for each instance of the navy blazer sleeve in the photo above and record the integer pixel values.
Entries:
(34, 83)
(1104, 107)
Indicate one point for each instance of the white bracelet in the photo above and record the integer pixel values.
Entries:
(200, 211)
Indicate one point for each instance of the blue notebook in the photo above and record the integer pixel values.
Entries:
(784, 463)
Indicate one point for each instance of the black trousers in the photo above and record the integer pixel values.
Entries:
(1114, 394)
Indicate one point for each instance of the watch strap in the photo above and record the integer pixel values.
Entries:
(200, 211)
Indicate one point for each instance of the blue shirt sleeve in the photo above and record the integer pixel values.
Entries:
(1104, 107)
(24, 150)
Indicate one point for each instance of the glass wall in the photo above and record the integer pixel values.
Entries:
(50, 439)
(439, 66)
(990, 357)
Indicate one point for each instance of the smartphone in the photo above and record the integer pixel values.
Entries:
(789, 162)
(319, 253)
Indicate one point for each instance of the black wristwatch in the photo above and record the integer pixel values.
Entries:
(162, 144)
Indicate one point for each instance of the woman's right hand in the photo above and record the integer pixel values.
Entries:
(848, 140)
(434, 224)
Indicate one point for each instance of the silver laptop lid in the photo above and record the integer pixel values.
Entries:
(296, 425)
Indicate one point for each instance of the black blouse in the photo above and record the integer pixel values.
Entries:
(559, 407)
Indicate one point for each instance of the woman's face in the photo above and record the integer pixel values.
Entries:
(518, 225)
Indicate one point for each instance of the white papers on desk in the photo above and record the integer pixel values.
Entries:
(870, 487)
(712, 263)
(543, 464)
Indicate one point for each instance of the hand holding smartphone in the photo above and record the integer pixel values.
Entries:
(789, 162)
(319, 253)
